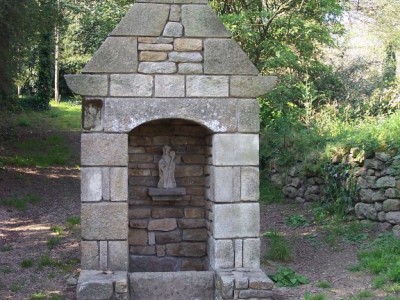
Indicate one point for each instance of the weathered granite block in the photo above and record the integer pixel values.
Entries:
(235, 149)
(174, 29)
(170, 86)
(247, 110)
(194, 235)
(196, 249)
(207, 86)
(152, 56)
(224, 56)
(364, 210)
(104, 221)
(168, 237)
(157, 67)
(155, 40)
(91, 186)
(225, 184)
(103, 255)
(190, 68)
(117, 54)
(185, 57)
(89, 255)
(251, 253)
(131, 85)
(250, 184)
(153, 264)
(155, 47)
(176, 285)
(96, 285)
(92, 114)
(236, 220)
(175, 13)
(105, 182)
(104, 149)
(201, 21)
(221, 253)
(238, 244)
(122, 115)
(393, 217)
(185, 44)
(88, 85)
(118, 255)
(138, 237)
(119, 184)
(140, 14)
(252, 86)
(162, 224)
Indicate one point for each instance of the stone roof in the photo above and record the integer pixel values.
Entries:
(171, 37)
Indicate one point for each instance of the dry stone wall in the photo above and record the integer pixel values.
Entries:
(376, 183)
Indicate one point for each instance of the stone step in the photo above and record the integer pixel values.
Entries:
(171, 286)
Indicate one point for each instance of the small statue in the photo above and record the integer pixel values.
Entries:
(166, 167)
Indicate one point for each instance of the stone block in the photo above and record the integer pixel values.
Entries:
(184, 44)
(124, 114)
(194, 213)
(224, 285)
(118, 255)
(185, 57)
(252, 86)
(238, 244)
(196, 249)
(139, 212)
(173, 29)
(207, 86)
(162, 225)
(169, 212)
(201, 21)
(116, 55)
(105, 182)
(221, 254)
(260, 281)
(131, 85)
(155, 47)
(365, 211)
(88, 85)
(94, 287)
(137, 20)
(152, 56)
(103, 255)
(393, 217)
(91, 184)
(152, 238)
(104, 149)
(89, 255)
(176, 286)
(236, 220)
(157, 67)
(104, 221)
(396, 231)
(370, 196)
(92, 115)
(153, 264)
(251, 253)
(235, 149)
(170, 86)
(248, 110)
(160, 250)
(190, 68)
(188, 171)
(256, 294)
(391, 205)
(138, 223)
(175, 13)
(224, 56)
(225, 183)
(191, 223)
(392, 193)
(119, 184)
(386, 182)
(142, 250)
(194, 235)
(190, 264)
(168, 237)
(250, 184)
(155, 40)
(138, 237)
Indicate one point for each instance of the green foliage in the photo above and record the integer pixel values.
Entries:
(53, 242)
(5, 270)
(6, 248)
(38, 296)
(269, 193)
(279, 247)
(27, 263)
(324, 284)
(309, 296)
(296, 221)
(57, 229)
(382, 258)
(286, 277)
(16, 287)
(46, 261)
(20, 203)
(73, 221)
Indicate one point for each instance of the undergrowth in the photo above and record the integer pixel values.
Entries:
(279, 247)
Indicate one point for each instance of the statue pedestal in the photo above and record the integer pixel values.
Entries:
(173, 194)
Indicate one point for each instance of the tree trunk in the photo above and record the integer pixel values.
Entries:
(56, 58)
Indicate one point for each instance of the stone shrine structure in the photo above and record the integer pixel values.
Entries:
(170, 85)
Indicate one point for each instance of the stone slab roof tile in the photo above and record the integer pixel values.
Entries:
(143, 19)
